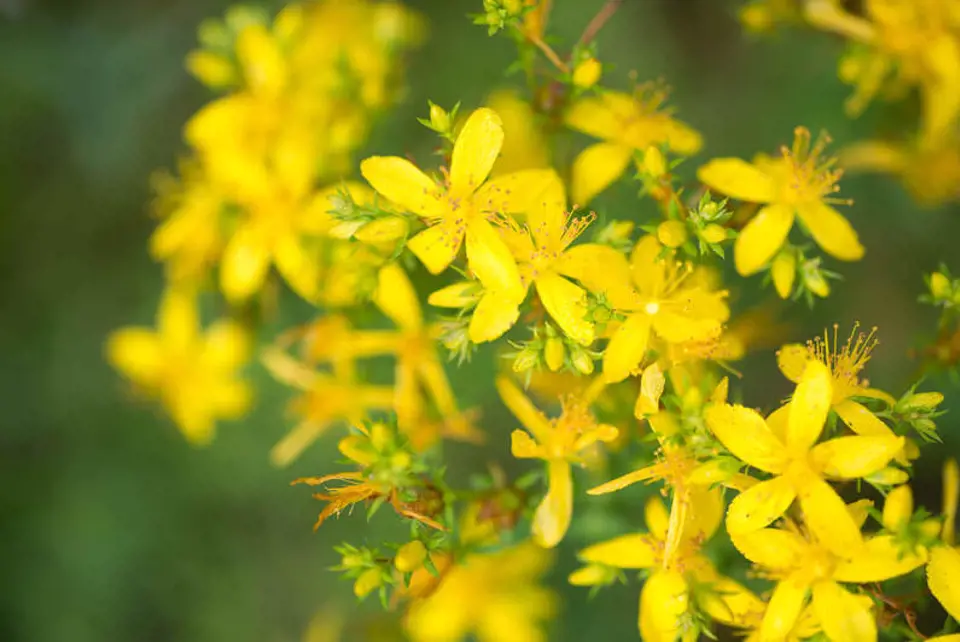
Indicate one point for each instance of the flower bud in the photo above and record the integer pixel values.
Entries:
(939, 285)
(439, 118)
(672, 233)
(714, 233)
(888, 476)
(380, 437)
(815, 281)
(592, 575)
(784, 271)
(370, 580)
(582, 361)
(898, 508)
(410, 557)
(211, 69)
(553, 353)
(654, 164)
(525, 360)
(923, 401)
(587, 73)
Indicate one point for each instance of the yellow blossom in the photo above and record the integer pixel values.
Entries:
(462, 210)
(560, 442)
(626, 124)
(786, 447)
(192, 373)
(524, 142)
(929, 170)
(798, 184)
(493, 597)
(943, 571)
(660, 296)
(805, 565)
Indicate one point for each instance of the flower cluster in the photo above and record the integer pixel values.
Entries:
(615, 337)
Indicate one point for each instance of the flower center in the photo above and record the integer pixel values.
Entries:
(845, 362)
(809, 176)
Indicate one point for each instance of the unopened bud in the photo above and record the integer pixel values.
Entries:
(525, 360)
(370, 580)
(939, 285)
(672, 233)
(439, 118)
(582, 361)
(923, 401)
(898, 508)
(784, 271)
(814, 281)
(714, 233)
(410, 557)
(553, 353)
(380, 436)
(587, 73)
(211, 69)
(654, 164)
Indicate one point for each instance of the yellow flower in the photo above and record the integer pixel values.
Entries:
(667, 596)
(930, 171)
(798, 184)
(328, 398)
(659, 295)
(493, 597)
(587, 73)
(943, 571)
(627, 124)
(902, 43)
(786, 447)
(524, 143)
(560, 442)
(845, 365)
(462, 210)
(192, 373)
(805, 565)
(418, 365)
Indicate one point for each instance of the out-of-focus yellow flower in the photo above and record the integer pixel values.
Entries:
(786, 446)
(587, 73)
(943, 571)
(798, 184)
(493, 597)
(328, 398)
(626, 124)
(805, 565)
(930, 171)
(462, 211)
(418, 365)
(192, 373)
(559, 442)
(660, 296)
(900, 44)
(524, 143)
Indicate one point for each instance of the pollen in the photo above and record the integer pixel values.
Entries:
(811, 175)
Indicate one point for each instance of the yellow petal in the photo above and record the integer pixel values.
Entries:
(743, 432)
(784, 273)
(523, 192)
(627, 551)
(792, 360)
(437, 246)
(490, 259)
(646, 266)
(664, 601)
(830, 230)
(261, 59)
(784, 609)
(396, 297)
(738, 179)
(861, 420)
(880, 559)
(643, 474)
(856, 456)
(656, 517)
(230, 399)
(552, 518)
(456, 295)
(679, 137)
(601, 269)
(177, 319)
(943, 578)
(652, 384)
(771, 548)
(730, 603)
(523, 409)
(475, 151)
(596, 168)
(226, 345)
(842, 616)
(522, 446)
(244, 264)
(762, 237)
(493, 316)
(627, 348)
(401, 182)
(809, 407)
(598, 115)
(137, 354)
(301, 271)
(759, 505)
(827, 517)
(951, 495)
(566, 304)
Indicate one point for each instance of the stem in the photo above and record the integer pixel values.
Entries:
(596, 24)
(549, 53)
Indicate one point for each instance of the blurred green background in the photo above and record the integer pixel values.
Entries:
(113, 528)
